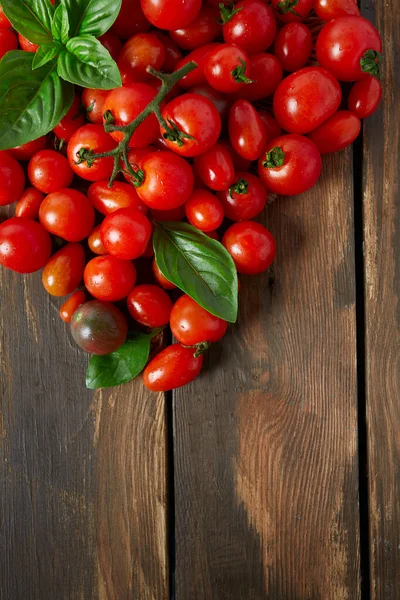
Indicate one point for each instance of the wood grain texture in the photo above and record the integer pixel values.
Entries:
(266, 471)
(382, 303)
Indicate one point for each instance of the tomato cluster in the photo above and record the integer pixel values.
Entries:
(254, 116)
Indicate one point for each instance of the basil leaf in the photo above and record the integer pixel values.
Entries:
(87, 63)
(60, 25)
(32, 103)
(199, 266)
(44, 54)
(31, 18)
(92, 17)
(121, 366)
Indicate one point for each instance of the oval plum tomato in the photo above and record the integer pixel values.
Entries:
(172, 53)
(203, 30)
(25, 246)
(292, 10)
(227, 68)
(290, 165)
(215, 168)
(91, 138)
(8, 41)
(222, 102)
(333, 9)
(198, 56)
(125, 104)
(173, 367)
(130, 20)
(49, 171)
(168, 180)
(174, 214)
(195, 124)
(93, 101)
(338, 132)
(109, 278)
(293, 46)
(159, 277)
(350, 47)
(4, 22)
(271, 125)
(26, 45)
(68, 214)
(99, 327)
(12, 179)
(191, 324)
(250, 24)
(246, 130)
(171, 14)
(109, 199)
(245, 199)
(150, 305)
(266, 75)
(251, 246)
(29, 203)
(94, 242)
(26, 151)
(204, 211)
(72, 121)
(125, 233)
(140, 51)
(365, 96)
(310, 87)
(112, 43)
(71, 305)
(64, 271)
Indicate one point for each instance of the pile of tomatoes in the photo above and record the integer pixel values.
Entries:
(269, 96)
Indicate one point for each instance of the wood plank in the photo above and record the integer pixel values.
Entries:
(382, 306)
(266, 463)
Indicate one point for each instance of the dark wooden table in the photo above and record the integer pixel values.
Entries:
(275, 475)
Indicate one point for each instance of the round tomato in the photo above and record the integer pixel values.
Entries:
(26, 45)
(199, 57)
(72, 304)
(135, 156)
(204, 210)
(29, 204)
(227, 68)
(171, 14)
(125, 233)
(93, 101)
(12, 179)
(64, 271)
(240, 163)
(191, 324)
(8, 41)
(159, 277)
(72, 121)
(215, 168)
(109, 278)
(150, 305)
(292, 10)
(266, 75)
(251, 246)
(172, 53)
(130, 20)
(245, 199)
(203, 30)
(68, 214)
(24, 245)
(293, 46)
(271, 125)
(26, 151)
(173, 367)
(4, 22)
(96, 140)
(338, 132)
(333, 9)
(250, 24)
(109, 199)
(112, 43)
(94, 241)
(49, 171)
(140, 51)
(365, 96)
(222, 102)
(246, 130)
(99, 327)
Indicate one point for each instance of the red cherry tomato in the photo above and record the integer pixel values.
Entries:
(109, 278)
(338, 132)
(93, 101)
(250, 24)
(350, 47)
(130, 20)
(271, 125)
(172, 53)
(139, 52)
(227, 68)
(290, 165)
(29, 203)
(203, 30)
(112, 43)
(4, 22)
(266, 75)
(191, 324)
(222, 102)
(121, 195)
(68, 214)
(240, 164)
(215, 168)
(149, 305)
(306, 99)
(24, 245)
(135, 156)
(293, 46)
(333, 9)
(171, 14)
(173, 367)
(72, 121)
(64, 271)
(159, 277)
(251, 246)
(204, 210)
(8, 41)
(125, 233)
(49, 171)
(71, 305)
(292, 10)
(12, 179)
(94, 242)
(246, 130)
(26, 151)
(94, 138)
(26, 45)
(365, 96)
(245, 199)
(175, 214)
(198, 56)
(99, 327)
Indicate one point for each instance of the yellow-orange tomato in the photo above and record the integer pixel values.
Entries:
(71, 305)
(64, 271)
(95, 243)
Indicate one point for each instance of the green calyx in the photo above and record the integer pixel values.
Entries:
(239, 73)
(274, 158)
(287, 6)
(240, 187)
(173, 134)
(370, 63)
(228, 11)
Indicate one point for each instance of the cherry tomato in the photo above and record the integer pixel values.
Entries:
(338, 132)
(172, 53)
(95, 243)
(246, 130)
(4, 22)
(93, 101)
(121, 195)
(191, 324)
(112, 43)
(125, 233)
(173, 367)
(266, 75)
(227, 68)
(26, 45)
(250, 24)
(203, 30)
(240, 163)
(171, 14)
(26, 151)
(68, 214)
(135, 156)
(222, 102)
(175, 214)
(130, 20)
(290, 165)
(194, 116)
(350, 47)
(29, 203)
(245, 199)
(333, 9)
(8, 41)
(12, 179)
(306, 99)
(64, 271)
(271, 125)
(204, 210)
(150, 305)
(94, 138)
(198, 56)
(215, 168)
(99, 327)
(159, 277)
(109, 278)
(25, 246)
(139, 52)
(49, 171)
(251, 246)
(292, 10)
(72, 304)
(365, 96)
(72, 121)
(168, 180)
(293, 46)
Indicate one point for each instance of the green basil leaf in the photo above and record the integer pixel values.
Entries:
(87, 63)
(32, 103)
(60, 25)
(31, 18)
(92, 17)
(44, 54)
(199, 266)
(121, 366)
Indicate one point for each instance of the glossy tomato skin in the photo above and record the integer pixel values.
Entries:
(49, 171)
(125, 233)
(109, 278)
(222, 102)
(204, 211)
(130, 20)
(338, 132)
(365, 96)
(191, 324)
(266, 75)
(227, 68)
(26, 45)
(139, 52)
(173, 367)
(203, 30)
(91, 137)
(295, 165)
(310, 87)
(215, 168)
(293, 46)
(93, 100)
(29, 204)
(251, 246)
(68, 214)
(94, 242)
(8, 41)
(159, 277)
(240, 164)
(246, 130)
(333, 9)
(168, 180)
(72, 304)
(109, 199)
(150, 305)
(4, 22)
(171, 14)
(135, 156)
(271, 125)
(245, 199)
(342, 47)
(12, 179)
(291, 10)
(252, 28)
(64, 271)
(26, 151)
(72, 121)
(99, 327)
(112, 43)
(25, 246)
(172, 53)
(198, 56)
